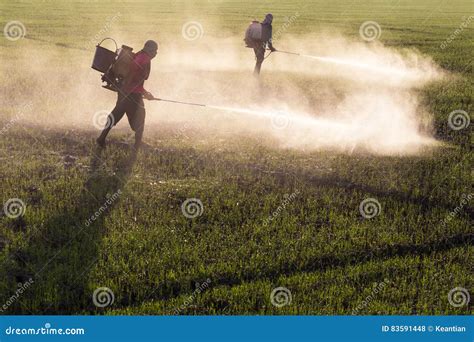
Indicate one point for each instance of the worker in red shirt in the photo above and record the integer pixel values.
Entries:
(131, 94)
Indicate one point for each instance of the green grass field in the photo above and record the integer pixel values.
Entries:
(229, 259)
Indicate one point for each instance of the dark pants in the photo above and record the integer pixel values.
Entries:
(260, 55)
(133, 106)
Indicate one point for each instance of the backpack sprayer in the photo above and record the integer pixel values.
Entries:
(115, 66)
(254, 36)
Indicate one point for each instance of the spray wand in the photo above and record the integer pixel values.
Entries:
(180, 102)
(289, 53)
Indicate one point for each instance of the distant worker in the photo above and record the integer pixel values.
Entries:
(131, 94)
(258, 36)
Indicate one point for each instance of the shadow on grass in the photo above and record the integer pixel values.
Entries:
(344, 258)
(59, 259)
(58, 256)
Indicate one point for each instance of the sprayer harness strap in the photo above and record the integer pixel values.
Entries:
(268, 55)
(116, 46)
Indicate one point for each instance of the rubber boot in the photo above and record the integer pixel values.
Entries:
(138, 139)
(101, 139)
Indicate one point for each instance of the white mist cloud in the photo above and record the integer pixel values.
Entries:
(353, 95)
